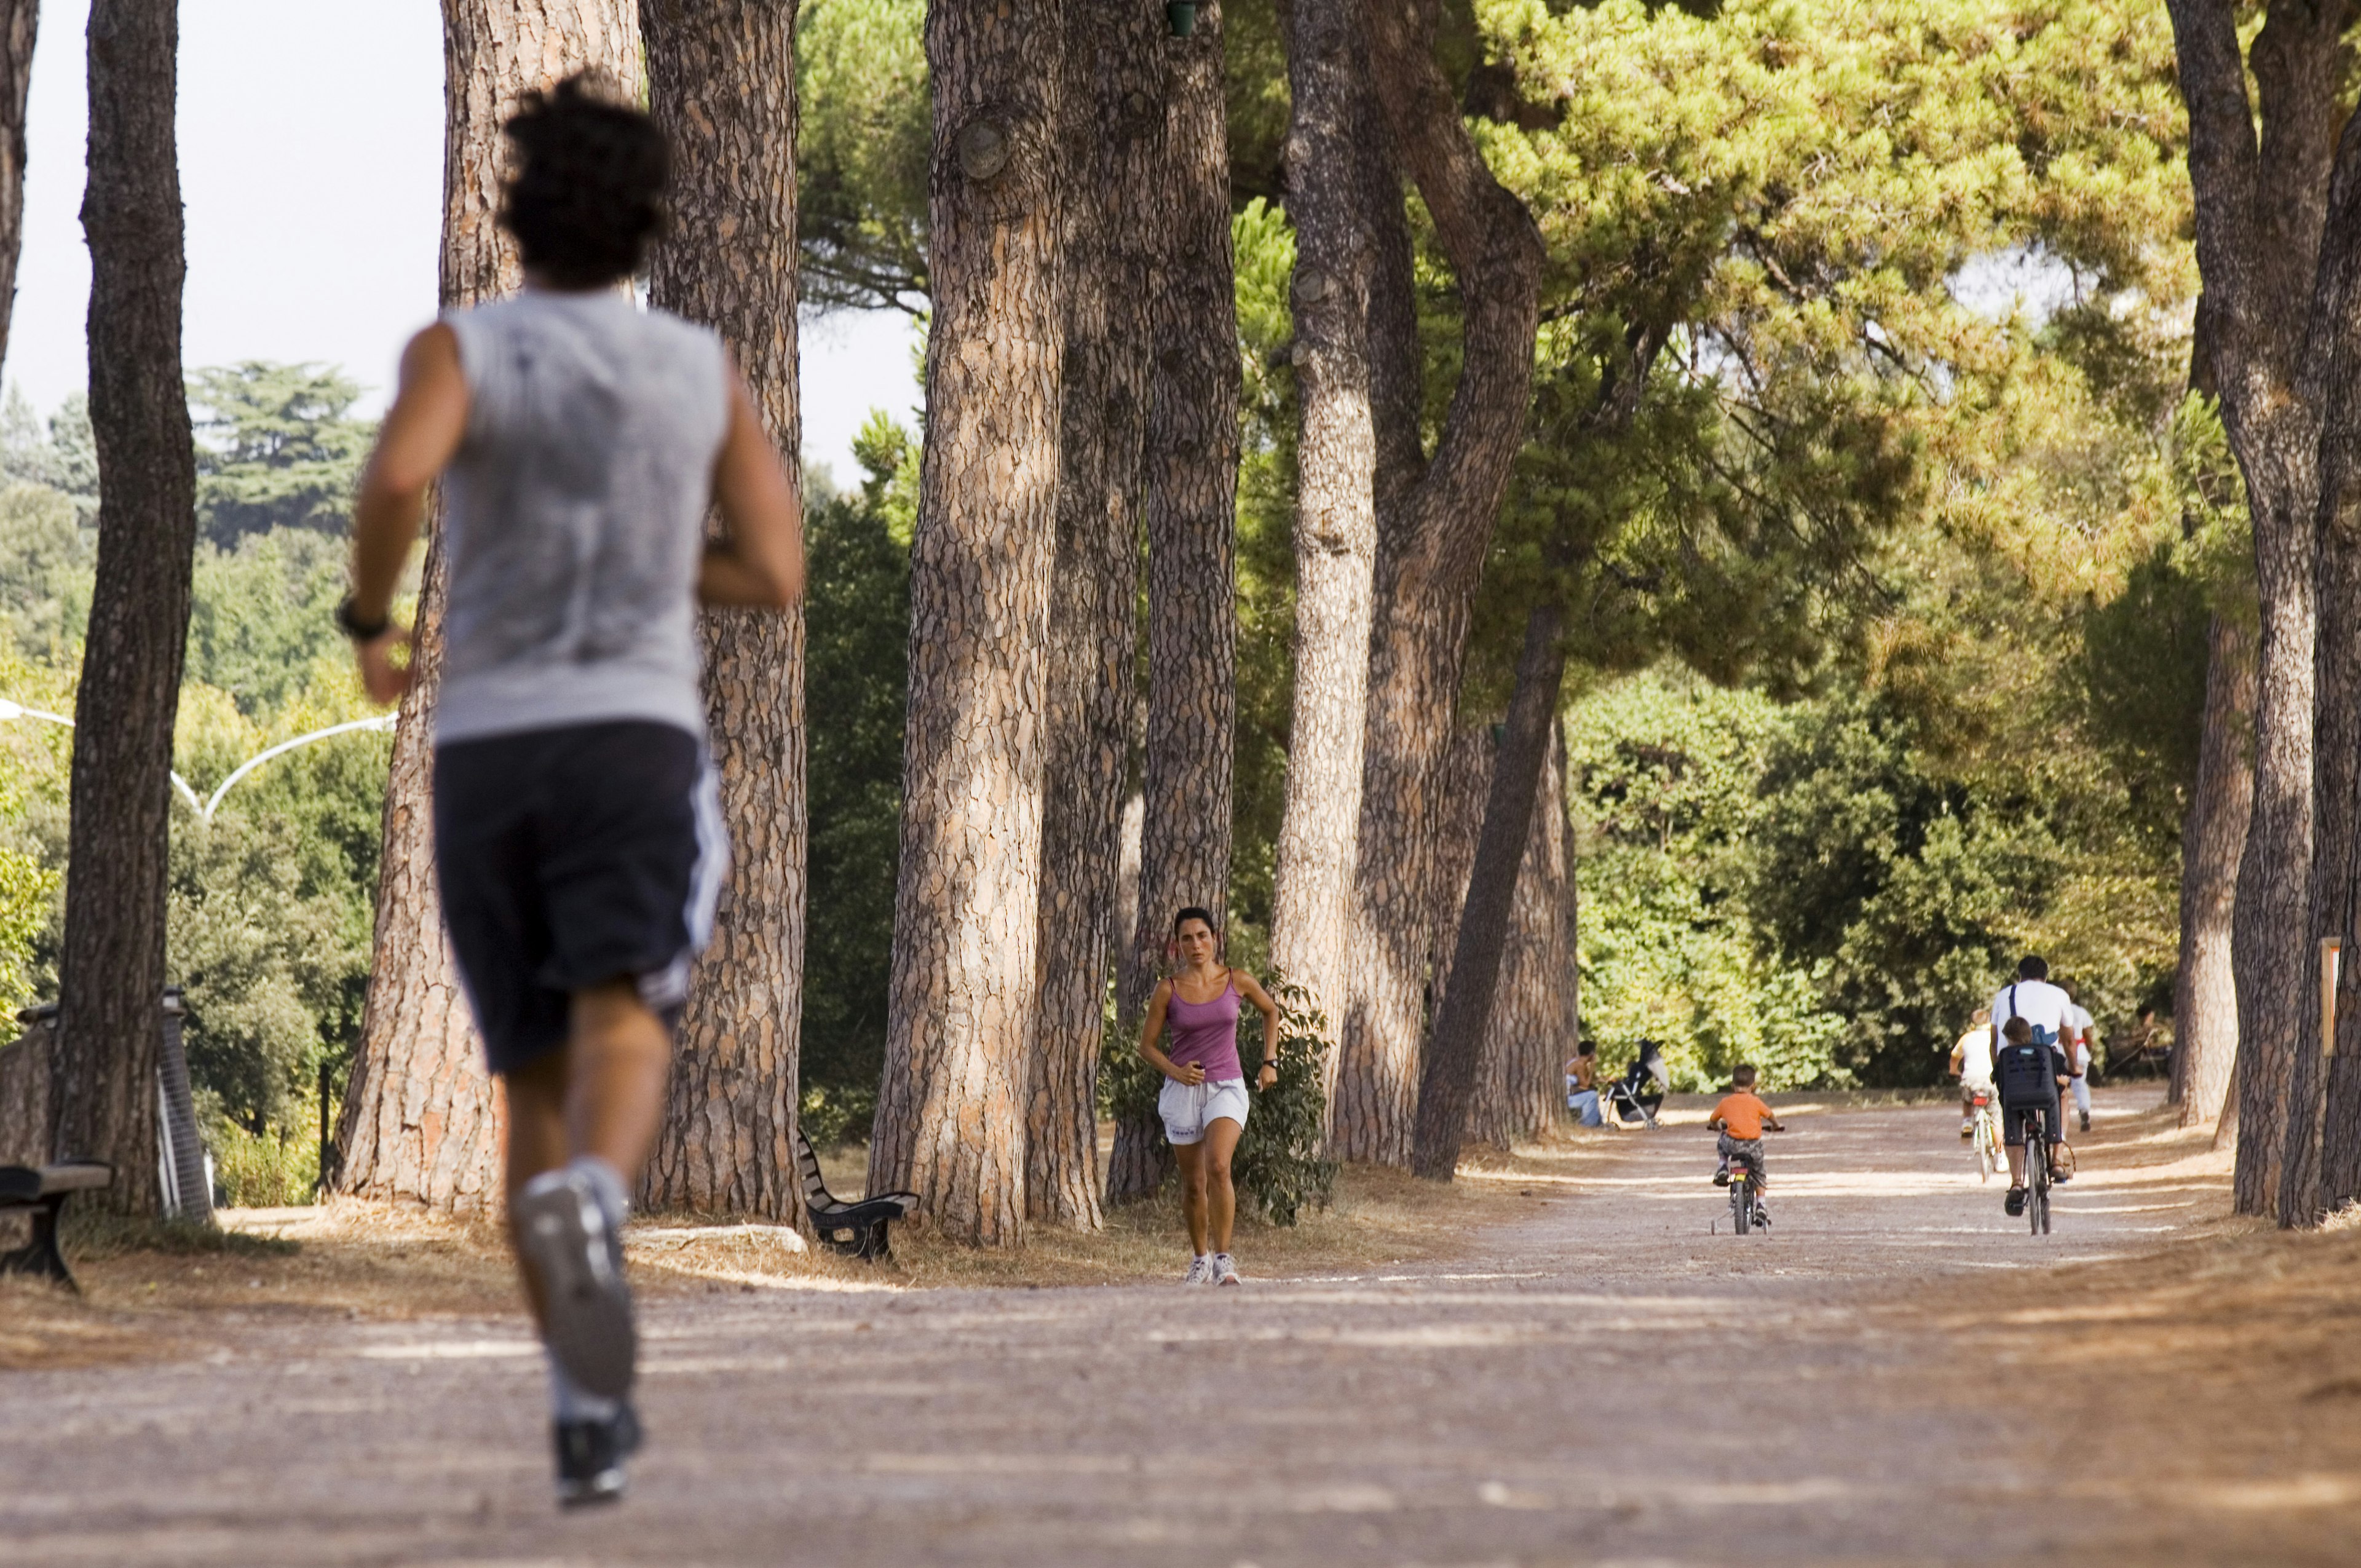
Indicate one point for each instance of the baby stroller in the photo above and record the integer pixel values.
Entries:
(1635, 1096)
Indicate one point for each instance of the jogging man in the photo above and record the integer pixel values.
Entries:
(577, 845)
(2029, 1077)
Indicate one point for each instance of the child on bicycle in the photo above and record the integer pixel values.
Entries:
(2030, 1072)
(1740, 1118)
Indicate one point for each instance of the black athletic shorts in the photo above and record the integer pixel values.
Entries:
(2014, 1119)
(569, 858)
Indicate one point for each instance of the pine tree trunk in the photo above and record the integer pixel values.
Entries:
(2260, 205)
(2307, 1190)
(1518, 1075)
(111, 972)
(2205, 989)
(19, 22)
(1335, 521)
(1466, 775)
(1445, 1087)
(423, 1119)
(950, 1115)
(1192, 472)
(1434, 523)
(1114, 133)
(721, 82)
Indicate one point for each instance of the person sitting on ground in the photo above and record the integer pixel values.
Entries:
(1740, 1118)
(1582, 1084)
(1203, 1101)
(1971, 1064)
(2030, 1072)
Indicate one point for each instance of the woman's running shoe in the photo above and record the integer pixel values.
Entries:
(1200, 1271)
(1226, 1270)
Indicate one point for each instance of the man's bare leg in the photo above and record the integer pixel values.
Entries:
(602, 1094)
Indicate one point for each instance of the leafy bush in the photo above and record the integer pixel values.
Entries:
(1279, 1162)
(831, 1117)
(272, 1168)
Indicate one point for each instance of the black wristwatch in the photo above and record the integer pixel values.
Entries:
(357, 629)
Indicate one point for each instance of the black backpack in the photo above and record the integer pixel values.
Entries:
(2027, 1074)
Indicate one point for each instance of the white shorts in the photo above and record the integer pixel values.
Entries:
(1187, 1109)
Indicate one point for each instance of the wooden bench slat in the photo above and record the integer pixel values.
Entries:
(29, 1184)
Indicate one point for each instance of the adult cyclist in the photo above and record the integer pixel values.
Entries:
(2030, 1070)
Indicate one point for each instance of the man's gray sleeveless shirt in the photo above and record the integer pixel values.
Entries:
(574, 515)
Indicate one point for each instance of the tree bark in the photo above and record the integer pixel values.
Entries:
(1518, 1076)
(19, 22)
(1537, 1016)
(1114, 140)
(2307, 1187)
(1192, 471)
(1464, 1016)
(951, 1116)
(1434, 523)
(1335, 521)
(721, 82)
(2214, 835)
(111, 972)
(2260, 205)
(423, 1121)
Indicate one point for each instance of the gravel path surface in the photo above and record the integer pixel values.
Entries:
(1607, 1383)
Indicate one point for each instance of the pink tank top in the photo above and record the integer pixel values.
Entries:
(1205, 1033)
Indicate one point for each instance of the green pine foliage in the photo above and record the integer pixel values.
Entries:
(277, 447)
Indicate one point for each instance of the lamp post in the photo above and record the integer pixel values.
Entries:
(204, 809)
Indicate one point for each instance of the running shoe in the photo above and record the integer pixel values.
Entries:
(2015, 1203)
(2086, 1121)
(591, 1457)
(578, 1260)
(1968, 1128)
(1200, 1271)
(1721, 1178)
(1226, 1270)
(1762, 1217)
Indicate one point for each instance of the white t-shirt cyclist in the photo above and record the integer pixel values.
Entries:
(2040, 1003)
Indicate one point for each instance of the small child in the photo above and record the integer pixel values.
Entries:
(1740, 1118)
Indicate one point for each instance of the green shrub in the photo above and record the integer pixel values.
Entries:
(1279, 1162)
(833, 1117)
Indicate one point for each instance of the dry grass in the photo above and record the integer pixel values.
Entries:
(151, 1291)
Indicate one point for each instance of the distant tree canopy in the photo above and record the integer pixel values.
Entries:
(276, 448)
(269, 908)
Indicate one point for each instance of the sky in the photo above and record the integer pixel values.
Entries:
(311, 139)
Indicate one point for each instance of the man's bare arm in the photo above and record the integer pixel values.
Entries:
(759, 561)
(420, 432)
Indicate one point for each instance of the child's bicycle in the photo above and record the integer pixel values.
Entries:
(1989, 1157)
(1746, 1210)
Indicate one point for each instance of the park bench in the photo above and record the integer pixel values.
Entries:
(857, 1230)
(44, 1189)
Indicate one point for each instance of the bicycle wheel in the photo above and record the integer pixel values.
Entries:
(2037, 1183)
(1987, 1149)
(1741, 1207)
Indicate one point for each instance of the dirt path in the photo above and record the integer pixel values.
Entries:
(1605, 1383)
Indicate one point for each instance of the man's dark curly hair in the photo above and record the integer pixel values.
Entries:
(587, 196)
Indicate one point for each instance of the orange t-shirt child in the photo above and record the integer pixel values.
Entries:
(1741, 1116)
